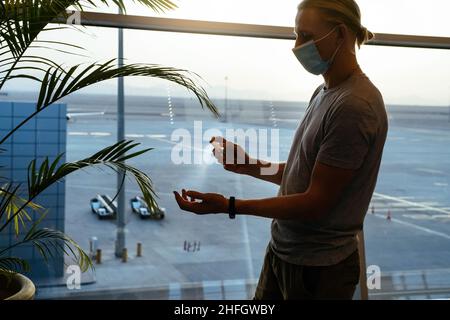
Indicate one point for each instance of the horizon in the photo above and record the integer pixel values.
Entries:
(74, 95)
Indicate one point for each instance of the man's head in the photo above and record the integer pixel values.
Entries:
(333, 25)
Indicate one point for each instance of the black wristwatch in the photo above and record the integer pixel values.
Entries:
(232, 208)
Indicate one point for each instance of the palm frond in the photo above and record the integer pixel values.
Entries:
(57, 84)
(22, 21)
(113, 157)
(11, 265)
(49, 243)
(11, 207)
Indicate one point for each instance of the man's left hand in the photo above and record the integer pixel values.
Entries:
(201, 203)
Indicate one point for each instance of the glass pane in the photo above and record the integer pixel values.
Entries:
(259, 86)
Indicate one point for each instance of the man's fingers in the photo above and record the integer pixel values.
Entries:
(195, 195)
(185, 204)
(179, 199)
(221, 140)
(218, 154)
(230, 167)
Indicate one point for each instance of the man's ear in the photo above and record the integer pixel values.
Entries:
(342, 32)
(345, 35)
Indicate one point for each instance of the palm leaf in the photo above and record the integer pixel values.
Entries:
(113, 157)
(13, 264)
(22, 21)
(49, 243)
(57, 84)
(11, 207)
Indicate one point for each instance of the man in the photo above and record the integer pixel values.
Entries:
(328, 180)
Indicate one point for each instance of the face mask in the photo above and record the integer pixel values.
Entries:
(310, 58)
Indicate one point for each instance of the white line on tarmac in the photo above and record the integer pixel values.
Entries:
(156, 136)
(426, 131)
(415, 226)
(134, 135)
(175, 143)
(100, 134)
(440, 184)
(425, 170)
(76, 133)
(411, 203)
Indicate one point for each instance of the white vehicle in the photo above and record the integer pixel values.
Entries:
(139, 207)
(103, 207)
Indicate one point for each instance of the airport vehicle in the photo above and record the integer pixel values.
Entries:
(104, 207)
(140, 208)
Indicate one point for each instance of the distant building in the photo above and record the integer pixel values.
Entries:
(44, 135)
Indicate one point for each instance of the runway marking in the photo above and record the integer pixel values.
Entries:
(432, 132)
(425, 170)
(415, 226)
(156, 136)
(175, 143)
(411, 203)
(426, 216)
(75, 133)
(134, 135)
(440, 184)
(100, 134)
(417, 209)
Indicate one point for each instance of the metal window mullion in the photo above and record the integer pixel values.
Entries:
(241, 30)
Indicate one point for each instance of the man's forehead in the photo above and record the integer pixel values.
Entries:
(307, 20)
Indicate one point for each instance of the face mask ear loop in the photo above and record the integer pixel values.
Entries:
(332, 30)
(336, 52)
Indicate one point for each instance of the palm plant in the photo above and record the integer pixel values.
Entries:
(22, 22)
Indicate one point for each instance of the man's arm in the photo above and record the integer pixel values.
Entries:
(326, 187)
(238, 161)
(274, 175)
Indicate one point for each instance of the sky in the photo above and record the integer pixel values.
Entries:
(267, 69)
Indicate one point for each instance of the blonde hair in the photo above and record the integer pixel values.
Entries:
(341, 12)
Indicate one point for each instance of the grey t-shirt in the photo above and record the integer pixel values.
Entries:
(344, 127)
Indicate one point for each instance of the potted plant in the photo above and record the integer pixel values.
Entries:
(22, 23)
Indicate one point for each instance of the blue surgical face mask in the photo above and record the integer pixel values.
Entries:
(310, 58)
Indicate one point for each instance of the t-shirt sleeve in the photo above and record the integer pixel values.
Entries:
(349, 132)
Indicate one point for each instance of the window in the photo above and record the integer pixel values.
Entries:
(258, 85)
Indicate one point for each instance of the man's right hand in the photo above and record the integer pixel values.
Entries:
(232, 156)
